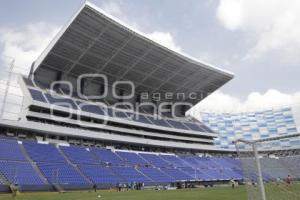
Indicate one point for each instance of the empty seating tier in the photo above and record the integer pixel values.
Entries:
(130, 174)
(10, 150)
(61, 173)
(21, 173)
(174, 160)
(177, 174)
(107, 156)
(154, 160)
(156, 175)
(101, 109)
(69, 166)
(79, 155)
(196, 174)
(43, 152)
(101, 175)
(132, 158)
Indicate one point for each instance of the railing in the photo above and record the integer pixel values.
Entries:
(11, 96)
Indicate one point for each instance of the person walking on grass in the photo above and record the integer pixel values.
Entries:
(288, 180)
(232, 183)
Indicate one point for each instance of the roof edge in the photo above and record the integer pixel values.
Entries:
(62, 30)
(44, 53)
(181, 54)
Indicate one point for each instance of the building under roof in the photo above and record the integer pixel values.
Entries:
(109, 54)
(94, 42)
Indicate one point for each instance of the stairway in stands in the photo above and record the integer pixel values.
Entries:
(139, 171)
(74, 165)
(33, 164)
(3, 180)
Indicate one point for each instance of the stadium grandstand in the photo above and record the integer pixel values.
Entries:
(262, 124)
(89, 116)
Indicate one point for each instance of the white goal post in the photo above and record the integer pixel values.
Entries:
(270, 174)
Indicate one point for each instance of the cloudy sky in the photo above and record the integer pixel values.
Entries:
(258, 40)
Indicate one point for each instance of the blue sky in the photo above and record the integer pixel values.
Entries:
(258, 40)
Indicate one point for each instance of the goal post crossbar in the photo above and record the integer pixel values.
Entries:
(253, 147)
(268, 139)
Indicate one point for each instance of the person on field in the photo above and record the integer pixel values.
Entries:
(288, 180)
(278, 180)
(15, 190)
(232, 182)
(119, 185)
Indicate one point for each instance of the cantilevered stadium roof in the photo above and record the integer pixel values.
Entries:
(95, 42)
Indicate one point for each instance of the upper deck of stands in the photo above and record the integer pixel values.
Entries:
(103, 110)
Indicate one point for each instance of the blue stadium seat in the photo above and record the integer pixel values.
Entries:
(10, 150)
(107, 156)
(79, 155)
(192, 161)
(159, 122)
(193, 126)
(95, 109)
(21, 173)
(233, 174)
(173, 160)
(130, 174)
(207, 162)
(61, 173)
(141, 118)
(196, 174)
(121, 114)
(101, 175)
(37, 95)
(156, 175)
(43, 152)
(91, 108)
(216, 174)
(132, 158)
(224, 163)
(104, 167)
(154, 160)
(206, 128)
(177, 124)
(61, 101)
(177, 174)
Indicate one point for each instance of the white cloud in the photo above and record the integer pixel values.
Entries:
(112, 8)
(230, 12)
(164, 38)
(274, 23)
(220, 102)
(25, 44)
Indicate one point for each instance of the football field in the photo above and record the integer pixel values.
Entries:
(184, 194)
(274, 192)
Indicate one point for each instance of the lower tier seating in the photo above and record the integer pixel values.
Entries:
(101, 175)
(177, 174)
(10, 150)
(132, 158)
(107, 156)
(20, 173)
(130, 174)
(61, 173)
(156, 175)
(79, 155)
(154, 160)
(196, 174)
(31, 163)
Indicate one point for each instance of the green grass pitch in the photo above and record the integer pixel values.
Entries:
(183, 194)
(274, 192)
